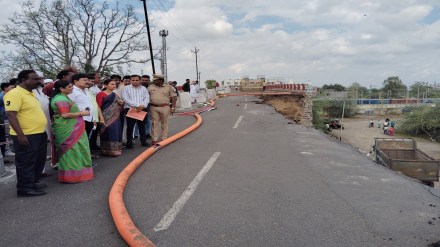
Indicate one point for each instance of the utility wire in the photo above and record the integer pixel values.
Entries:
(172, 36)
(175, 23)
(168, 16)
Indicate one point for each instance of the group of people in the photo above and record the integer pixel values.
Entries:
(192, 88)
(72, 112)
(388, 126)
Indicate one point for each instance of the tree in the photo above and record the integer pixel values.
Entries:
(82, 33)
(355, 91)
(423, 121)
(375, 93)
(210, 84)
(393, 87)
(336, 87)
(421, 89)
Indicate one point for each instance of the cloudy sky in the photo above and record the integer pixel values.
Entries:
(321, 41)
(316, 41)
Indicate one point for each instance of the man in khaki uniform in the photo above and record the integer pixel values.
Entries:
(160, 95)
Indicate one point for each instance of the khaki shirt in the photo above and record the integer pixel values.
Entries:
(161, 95)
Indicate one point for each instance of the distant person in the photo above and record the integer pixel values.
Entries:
(4, 127)
(186, 86)
(28, 133)
(126, 80)
(13, 81)
(44, 102)
(391, 131)
(378, 123)
(62, 75)
(119, 85)
(145, 80)
(95, 81)
(194, 91)
(174, 85)
(71, 142)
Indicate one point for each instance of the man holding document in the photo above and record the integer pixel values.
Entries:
(136, 100)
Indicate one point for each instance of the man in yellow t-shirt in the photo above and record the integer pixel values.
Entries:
(28, 132)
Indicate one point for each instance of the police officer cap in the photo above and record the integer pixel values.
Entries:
(158, 77)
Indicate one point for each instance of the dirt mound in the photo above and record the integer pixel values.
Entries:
(290, 106)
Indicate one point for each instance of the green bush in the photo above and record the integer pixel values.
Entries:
(210, 84)
(423, 121)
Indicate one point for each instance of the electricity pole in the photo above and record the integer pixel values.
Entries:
(149, 37)
(163, 62)
(197, 66)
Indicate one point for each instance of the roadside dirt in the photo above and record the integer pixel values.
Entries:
(291, 107)
(356, 131)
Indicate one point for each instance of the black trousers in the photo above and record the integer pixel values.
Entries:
(94, 137)
(30, 160)
(130, 127)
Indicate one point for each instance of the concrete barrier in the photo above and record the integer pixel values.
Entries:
(201, 98)
(185, 100)
(211, 93)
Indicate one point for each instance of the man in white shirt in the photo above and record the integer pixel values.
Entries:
(136, 96)
(44, 102)
(95, 79)
(82, 99)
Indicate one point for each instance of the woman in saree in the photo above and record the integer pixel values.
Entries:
(111, 106)
(71, 150)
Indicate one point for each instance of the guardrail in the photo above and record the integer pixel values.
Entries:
(295, 87)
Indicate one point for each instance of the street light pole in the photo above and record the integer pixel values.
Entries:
(149, 37)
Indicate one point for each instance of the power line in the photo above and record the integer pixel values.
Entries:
(175, 23)
(172, 36)
(170, 18)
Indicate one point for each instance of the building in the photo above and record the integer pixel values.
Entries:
(252, 85)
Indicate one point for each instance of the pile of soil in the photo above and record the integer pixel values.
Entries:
(291, 106)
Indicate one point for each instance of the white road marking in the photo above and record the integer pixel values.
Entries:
(245, 106)
(238, 122)
(179, 204)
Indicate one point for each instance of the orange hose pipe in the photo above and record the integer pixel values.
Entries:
(125, 225)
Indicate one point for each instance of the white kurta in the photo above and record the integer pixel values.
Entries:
(44, 102)
(194, 92)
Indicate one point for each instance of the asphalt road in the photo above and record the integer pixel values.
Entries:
(265, 183)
